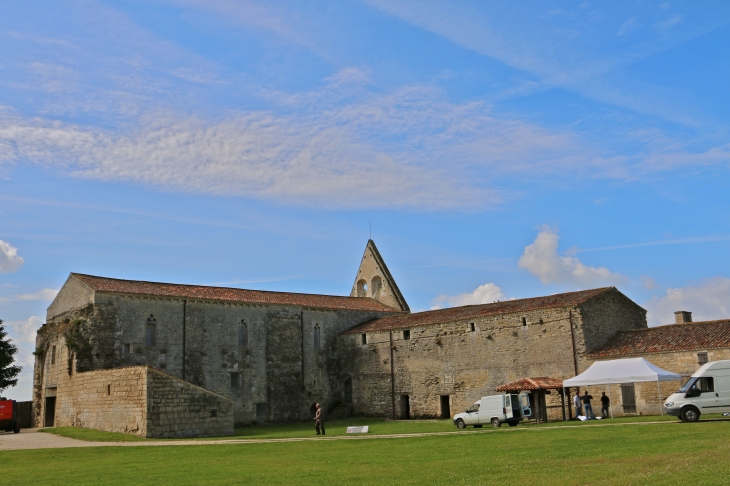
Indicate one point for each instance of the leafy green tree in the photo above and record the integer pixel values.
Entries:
(8, 372)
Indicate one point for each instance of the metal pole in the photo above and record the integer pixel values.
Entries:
(659, 392)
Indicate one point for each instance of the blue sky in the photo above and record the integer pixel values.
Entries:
(498, 151)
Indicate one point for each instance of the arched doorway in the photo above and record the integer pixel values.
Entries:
(348, 390)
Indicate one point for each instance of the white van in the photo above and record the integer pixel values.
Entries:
(708, 391)
(495, 410)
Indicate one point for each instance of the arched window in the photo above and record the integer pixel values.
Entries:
(151, 331)
(376, 284)
(362, 288)
(242, 334)
(316, 336)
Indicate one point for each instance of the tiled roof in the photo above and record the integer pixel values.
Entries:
(426, 318)
(225, 294)
(539, 383)
(673, 337)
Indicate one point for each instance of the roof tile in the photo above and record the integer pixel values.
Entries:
(225, 294)
(672, 337)
(426, 318)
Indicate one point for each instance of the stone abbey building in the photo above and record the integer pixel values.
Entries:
(169, 360)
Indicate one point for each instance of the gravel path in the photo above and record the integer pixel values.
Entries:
(32, 439)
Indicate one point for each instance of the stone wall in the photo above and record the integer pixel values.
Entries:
(279, 372)
(449, 359)
(178, 409)
(73, 295)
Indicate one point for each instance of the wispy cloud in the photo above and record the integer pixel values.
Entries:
(45, 295)
(627, 27)
(709, 300)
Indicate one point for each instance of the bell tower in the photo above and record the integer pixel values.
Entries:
(374, 280)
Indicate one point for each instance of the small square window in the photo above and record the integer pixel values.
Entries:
(213, 412)
(235, 380)
(471, 327)
(406, 334)
(702, 358)
(364, 338)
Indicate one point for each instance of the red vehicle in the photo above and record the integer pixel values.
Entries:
(9, 416)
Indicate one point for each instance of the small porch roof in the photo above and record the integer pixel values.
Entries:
(532, 383)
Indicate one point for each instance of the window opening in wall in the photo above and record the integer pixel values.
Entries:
(127, 349)
(213, 412)
(524, 321)
(471, 327)
(445, 407)
(261, 411)
(108, 389)
(348, 390)
(541, 323)
(53, 355)
(375, 286)
(406, 334)
(628, 398)
(151, 331)
(235, 380)
(364, 338)
(316, 336)
(362, 288)
(243, 334)
(702, 358)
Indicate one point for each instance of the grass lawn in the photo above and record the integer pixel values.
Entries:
(377, 426)
(674, 453)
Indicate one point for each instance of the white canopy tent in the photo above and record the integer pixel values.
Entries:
(616, 371)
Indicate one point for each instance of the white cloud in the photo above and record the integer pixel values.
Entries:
(541, 259)
(24, 331)
(10, 261)
(45, 294)
(648, 282)
(484, 294)
(707, 301)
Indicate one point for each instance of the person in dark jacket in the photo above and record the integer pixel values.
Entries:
(319, 420)
(605, 402)
(587, 406)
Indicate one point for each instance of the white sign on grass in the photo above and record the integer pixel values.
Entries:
(358, 430)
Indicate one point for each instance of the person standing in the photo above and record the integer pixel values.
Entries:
(587, 406)
(319, 420)
(605, 402)
(576, 404)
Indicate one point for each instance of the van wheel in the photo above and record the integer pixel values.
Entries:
(690, 414)
(496, 423)
(460, 424)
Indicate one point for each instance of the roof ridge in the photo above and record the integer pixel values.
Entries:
(213, 286)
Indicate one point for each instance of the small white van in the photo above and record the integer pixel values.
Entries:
(495, 410)
(707, 391)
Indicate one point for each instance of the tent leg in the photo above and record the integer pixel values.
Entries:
(659, 393)
(562, 399)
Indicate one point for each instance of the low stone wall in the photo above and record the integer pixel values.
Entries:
(112, 400)
(180, 409)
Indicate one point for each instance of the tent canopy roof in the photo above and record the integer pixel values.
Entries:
(630, 370)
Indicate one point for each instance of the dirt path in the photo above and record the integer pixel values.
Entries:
(32, 439)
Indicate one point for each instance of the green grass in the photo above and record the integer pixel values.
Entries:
(91, 434)
(649, 454)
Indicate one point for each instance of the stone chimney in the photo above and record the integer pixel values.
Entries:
(680, 317)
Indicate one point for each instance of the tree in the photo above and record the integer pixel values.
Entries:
(8, 372)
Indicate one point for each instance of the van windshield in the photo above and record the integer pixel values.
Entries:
(687, 385)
